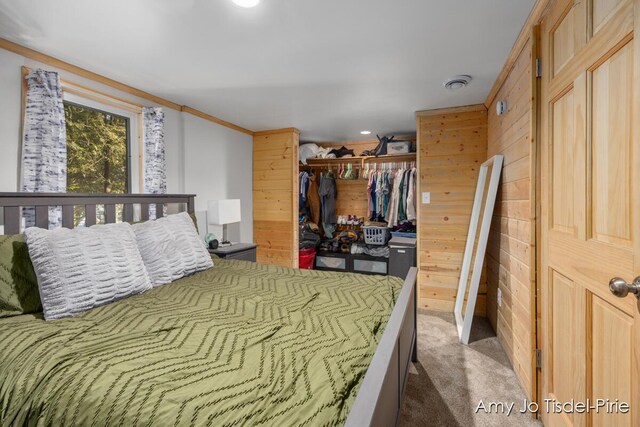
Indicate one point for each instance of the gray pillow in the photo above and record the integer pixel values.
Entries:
(85, 267)
(171, 248)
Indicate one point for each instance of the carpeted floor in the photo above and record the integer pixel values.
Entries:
(447, 384)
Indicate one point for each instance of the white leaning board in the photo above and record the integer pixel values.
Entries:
(464, 323)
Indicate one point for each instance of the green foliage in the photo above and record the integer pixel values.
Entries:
(96, 151)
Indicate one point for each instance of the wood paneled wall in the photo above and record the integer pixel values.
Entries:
(275, 196)
(511, 250)
(452, 144)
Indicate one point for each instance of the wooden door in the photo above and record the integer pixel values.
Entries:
(275, 196)
(590, 209)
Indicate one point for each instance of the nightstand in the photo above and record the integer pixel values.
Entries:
(243, 251)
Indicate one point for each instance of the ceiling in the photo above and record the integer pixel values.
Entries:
(330, 68)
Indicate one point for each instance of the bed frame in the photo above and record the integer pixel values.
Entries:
(379, 400)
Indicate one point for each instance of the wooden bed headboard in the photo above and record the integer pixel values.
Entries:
(11, 203)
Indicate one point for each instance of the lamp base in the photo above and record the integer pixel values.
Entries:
(225, 240)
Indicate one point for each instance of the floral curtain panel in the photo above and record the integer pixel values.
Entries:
(44, 149)
(155, 166)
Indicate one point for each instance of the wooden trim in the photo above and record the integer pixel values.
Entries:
(214, 119)
(102, 100)
(54, 62)
(276, 131)
(536, 214)
(451, 110)
(90, 93)
(57, 63)
(534, 19)
(295, 199)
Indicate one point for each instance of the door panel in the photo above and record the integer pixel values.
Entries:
(567, 37)
(611, 348)
(567, 155)
(563, 338)
(612, 83)
(602, 9)
(590, 196)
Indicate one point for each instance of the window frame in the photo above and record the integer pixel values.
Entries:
(134, 121)
(128, 138)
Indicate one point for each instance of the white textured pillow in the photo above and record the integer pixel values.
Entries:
(171, 248)
(86, 267)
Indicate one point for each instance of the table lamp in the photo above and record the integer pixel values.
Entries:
(224, 212)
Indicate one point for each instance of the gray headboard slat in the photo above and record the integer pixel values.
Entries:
(128, 213)
(144, 213)
(42, 216)
(13, 202)
(90, 213)
(67, 216)
(12, 220)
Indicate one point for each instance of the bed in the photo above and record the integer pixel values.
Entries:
(238, 344)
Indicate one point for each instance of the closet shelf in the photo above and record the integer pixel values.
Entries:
(409, 157)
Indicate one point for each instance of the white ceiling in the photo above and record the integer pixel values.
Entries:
(331, 67)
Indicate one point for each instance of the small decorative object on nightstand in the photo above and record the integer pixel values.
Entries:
(244, 251)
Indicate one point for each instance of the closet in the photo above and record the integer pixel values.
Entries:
(365, 200)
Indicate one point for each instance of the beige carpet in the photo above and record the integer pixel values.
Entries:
(450, 379)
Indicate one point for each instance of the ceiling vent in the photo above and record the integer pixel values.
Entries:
(457, 82)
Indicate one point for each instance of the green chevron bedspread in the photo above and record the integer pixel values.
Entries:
(239, 344)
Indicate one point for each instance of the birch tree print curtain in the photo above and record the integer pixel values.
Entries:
(44, 147)
(155, 167)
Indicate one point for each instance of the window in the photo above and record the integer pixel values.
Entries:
(102, 138)
(97, 150)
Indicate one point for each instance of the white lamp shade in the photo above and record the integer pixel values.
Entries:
(223, 212)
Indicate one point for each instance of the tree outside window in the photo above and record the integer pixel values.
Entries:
(97, 152)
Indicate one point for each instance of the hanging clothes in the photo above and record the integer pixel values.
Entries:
(379, 197)
(303, 186)
(402, 200)
(328, 192)
(386, 193)
(373, 203)
(392, 214)
(313, 199)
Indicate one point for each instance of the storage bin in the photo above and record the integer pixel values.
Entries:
(376, 235)
(306, 257)
(398, 147)
(402, 256)
(338, 263)
(369, 266)
(403, 234)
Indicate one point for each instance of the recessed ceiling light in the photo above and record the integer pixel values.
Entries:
(366, 132)
(457, 82)
(246, 3)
